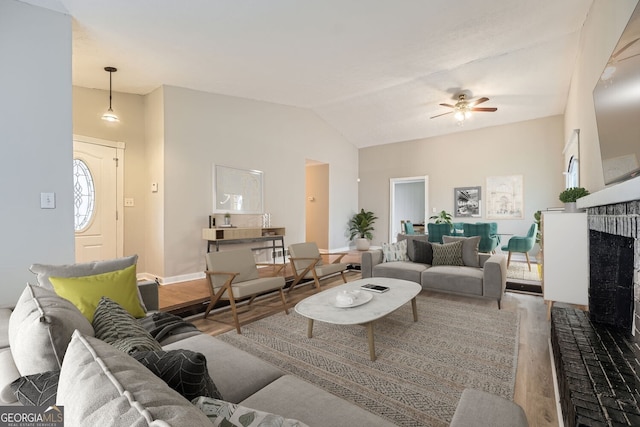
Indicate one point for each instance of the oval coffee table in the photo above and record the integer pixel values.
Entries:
(322, 306)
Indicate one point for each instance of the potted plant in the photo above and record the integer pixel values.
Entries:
(361, 226)
(227, 218)
(569, 197)
(443, 217)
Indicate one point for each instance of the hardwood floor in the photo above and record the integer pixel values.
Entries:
(534, 381)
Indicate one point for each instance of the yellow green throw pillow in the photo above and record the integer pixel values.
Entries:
(85, 292)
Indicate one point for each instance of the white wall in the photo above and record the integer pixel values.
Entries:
(602, 29)
(532, 149)
(202, 129)
(36, 139)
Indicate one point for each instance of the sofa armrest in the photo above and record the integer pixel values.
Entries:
(370, 259)
(148, 290)
(494, 281)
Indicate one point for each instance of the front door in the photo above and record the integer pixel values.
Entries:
(97, 181)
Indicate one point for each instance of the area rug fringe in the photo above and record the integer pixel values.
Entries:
(421, 370)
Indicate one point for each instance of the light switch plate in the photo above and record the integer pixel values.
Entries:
(47, 200)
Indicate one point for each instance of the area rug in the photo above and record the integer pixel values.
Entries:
(421, 368)
(520, 271)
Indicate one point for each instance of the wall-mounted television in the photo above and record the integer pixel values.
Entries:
(617, 105)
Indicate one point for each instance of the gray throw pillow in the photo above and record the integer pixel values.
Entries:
(421, 251)
(185, 371)
(40, 328)
(38, 389)
(114, 325)
(100, 385)
(447, 254)
(469, 249)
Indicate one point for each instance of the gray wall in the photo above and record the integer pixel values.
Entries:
(36, 138)
(532, 149)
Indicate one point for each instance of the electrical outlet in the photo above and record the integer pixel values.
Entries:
(128, 202)
(433, 210)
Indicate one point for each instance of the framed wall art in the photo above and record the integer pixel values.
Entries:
(504, 197)
(237, 190)
(468, 202)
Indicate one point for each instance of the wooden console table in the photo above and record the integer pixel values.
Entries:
(236, 235)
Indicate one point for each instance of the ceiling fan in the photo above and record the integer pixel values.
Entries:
(463, 108)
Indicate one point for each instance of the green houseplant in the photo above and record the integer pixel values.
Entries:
(569, 197)
(360, 228)
(443, 217)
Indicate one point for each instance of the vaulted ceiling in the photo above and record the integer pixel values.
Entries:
(375, 70)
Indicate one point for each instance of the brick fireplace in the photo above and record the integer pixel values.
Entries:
(597, 354)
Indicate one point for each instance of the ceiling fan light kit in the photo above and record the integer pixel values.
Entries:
(463, 109)
(109, 115)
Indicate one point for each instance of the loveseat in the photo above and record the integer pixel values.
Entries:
(476, 274)
(99, 384)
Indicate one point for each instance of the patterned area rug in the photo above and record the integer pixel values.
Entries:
(520, 271)
(421, 368)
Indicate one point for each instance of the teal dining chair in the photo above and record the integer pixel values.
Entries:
(522, 244)
(408, 227)
(436, 231)
(488, 242)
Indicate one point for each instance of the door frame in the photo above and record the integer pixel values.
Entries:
(392, 196)
(120, 147)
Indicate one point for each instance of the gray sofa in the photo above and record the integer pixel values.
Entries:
(488, 280)
(94, 374)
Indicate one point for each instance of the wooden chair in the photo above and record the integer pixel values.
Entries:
(307, 263)
(233, 275)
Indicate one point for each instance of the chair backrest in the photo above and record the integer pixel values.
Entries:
(304, 250)
(436, 231)
(232, 261)
(533, 230)
(488, 242)
(458, 228)
(408, 228)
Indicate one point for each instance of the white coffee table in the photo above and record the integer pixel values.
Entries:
(322, 306)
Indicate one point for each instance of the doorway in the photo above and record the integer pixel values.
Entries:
(409, 199)
(317, 203)
(98, 175)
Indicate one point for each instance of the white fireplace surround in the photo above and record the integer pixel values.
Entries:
(617, 193)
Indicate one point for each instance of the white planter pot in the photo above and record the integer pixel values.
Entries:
(570, 207)
(362, 244)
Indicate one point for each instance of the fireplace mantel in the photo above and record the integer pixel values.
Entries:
(618, 193)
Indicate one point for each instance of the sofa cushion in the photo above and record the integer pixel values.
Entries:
(447, 253)
(40, 329)
(85, 292)
(114, 325)
(44, 271)
(395, 251)
(420, 251)
(293, 397)
(451, 278)
(404, 270)
(102, 386)
(469, 249)
(8, 374)
(185, 371)
(37, 389)
(236, 373)
(225, 414)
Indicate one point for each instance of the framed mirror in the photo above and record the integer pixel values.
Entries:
(237, 190)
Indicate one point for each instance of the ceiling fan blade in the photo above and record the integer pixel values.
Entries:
(488, 109)
(447, 105)
(478, 101)
(443, 114)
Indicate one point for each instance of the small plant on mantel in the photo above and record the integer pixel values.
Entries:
(569, 197)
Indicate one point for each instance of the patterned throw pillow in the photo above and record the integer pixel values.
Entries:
(114, 325)
(469, 249)
(447, 253)
(38, 389)
(395, 251)
(185, 371)
(228, 414)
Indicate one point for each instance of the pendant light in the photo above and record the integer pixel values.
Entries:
(109, 115)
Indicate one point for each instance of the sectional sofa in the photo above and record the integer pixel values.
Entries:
(477, 274)
(98, 384)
